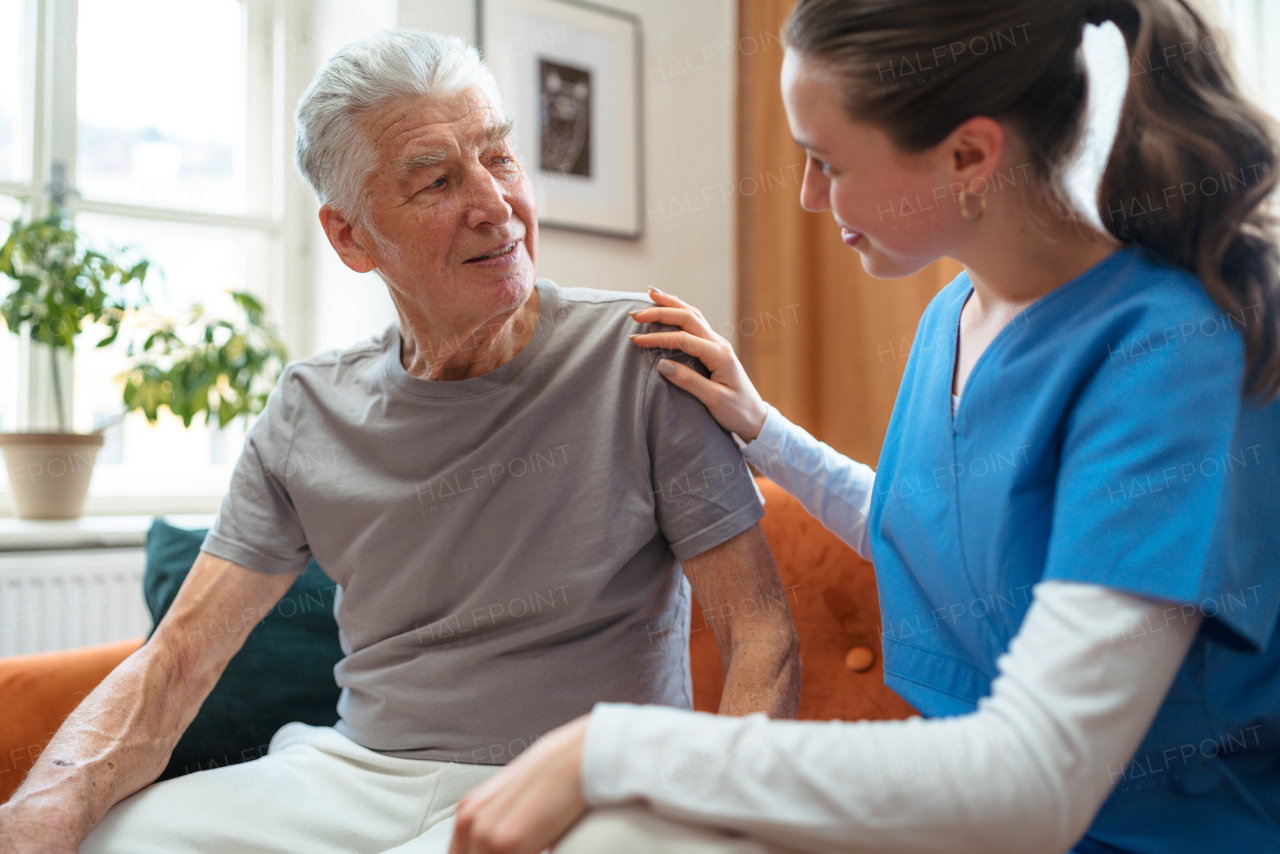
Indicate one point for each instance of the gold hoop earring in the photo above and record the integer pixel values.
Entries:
(964, 207)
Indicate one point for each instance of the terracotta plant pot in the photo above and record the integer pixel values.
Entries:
(49, 472)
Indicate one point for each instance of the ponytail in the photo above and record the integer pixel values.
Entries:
(1193, 170)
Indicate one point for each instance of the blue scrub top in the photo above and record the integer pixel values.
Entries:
(1103, 438)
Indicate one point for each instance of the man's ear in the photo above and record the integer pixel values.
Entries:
(347, 240)
(974, 150)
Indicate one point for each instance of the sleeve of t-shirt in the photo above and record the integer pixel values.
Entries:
(258, 526)
(1153, 459)
(703, 491)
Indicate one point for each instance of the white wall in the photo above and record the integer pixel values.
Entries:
(690, 90)
(344, 306)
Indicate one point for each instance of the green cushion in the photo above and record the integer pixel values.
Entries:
(283, 673)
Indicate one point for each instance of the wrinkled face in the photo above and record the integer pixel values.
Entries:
(454, 205)
(896, 209)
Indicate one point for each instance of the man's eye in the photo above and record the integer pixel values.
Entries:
(435, 185)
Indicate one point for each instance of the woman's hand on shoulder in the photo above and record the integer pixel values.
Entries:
(728, 394)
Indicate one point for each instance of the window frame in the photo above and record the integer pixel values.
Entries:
(279, 65)
(30, 25)
(1253, 23)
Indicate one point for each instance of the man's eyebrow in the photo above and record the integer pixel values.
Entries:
(493, 134)
(407, 167)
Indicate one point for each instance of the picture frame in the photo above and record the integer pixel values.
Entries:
(569, 75)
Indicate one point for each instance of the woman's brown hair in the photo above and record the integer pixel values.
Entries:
(1194, 164)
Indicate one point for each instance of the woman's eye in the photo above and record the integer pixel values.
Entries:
(824, 168)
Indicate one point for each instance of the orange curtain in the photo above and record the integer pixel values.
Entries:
(824, 342)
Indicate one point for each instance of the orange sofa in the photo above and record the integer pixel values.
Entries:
(830, 590)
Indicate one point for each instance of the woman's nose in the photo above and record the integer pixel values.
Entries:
(814, 190)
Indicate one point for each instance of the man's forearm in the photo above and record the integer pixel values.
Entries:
(119, 738)
(114, 743)
(763, 675)
(738, 587)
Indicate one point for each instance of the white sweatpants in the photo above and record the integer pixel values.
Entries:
(318, 792)
(315, 791)
(638, 830)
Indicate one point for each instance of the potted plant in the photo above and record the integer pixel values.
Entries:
(207, 362)
(59, 288)
(222, 365)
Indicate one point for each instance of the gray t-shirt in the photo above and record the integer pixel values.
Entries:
(505, 546)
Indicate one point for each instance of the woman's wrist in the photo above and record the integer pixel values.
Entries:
(757, 412)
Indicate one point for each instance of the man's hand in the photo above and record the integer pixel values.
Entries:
(529, 805)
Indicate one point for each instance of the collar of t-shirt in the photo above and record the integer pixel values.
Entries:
(548, 316)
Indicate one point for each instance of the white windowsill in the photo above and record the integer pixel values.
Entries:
(88, 532)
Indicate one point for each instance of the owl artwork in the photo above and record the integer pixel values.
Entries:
(565, 116)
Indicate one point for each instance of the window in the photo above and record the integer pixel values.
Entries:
(173, 118)
(1253, 25)
(9, 209)
(192, 263)
(179, 138)
(12, 86)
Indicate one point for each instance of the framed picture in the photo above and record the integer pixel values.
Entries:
(569, 74)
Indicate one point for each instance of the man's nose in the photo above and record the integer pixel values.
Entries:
(486, 199)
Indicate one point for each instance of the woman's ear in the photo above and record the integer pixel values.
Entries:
(974, 150)
(347, 240)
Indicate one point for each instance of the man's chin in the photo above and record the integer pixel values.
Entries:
(513, 290)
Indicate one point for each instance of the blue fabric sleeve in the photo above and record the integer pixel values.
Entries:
(1158, 491)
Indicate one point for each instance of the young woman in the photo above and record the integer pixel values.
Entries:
(1128, 378)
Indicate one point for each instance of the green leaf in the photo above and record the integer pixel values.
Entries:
(221, 375)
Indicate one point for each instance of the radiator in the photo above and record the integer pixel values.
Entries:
(63, 599)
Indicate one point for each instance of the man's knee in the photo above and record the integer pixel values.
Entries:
(154, 820)
(106, 838)
(638, 830)
(605, 827)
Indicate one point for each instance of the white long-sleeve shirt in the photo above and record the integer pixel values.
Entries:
(1027, 771)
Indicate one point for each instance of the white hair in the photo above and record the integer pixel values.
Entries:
(332, 151)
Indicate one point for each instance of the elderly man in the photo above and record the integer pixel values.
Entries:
(507, 490)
